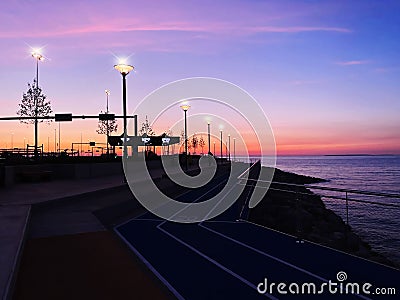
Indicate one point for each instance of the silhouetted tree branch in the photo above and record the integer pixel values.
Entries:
(29, 108)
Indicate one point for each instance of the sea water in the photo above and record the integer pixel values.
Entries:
(376, 224)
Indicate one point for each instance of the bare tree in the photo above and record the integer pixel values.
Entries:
(189, 146)
(169, 132)
(146, 130)
(183, 139)
(34, 105)
(195, 143)
(202, 143)
(107, 127)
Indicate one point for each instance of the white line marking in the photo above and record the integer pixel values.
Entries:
(223, 181)
(271, 256)
(147, 211)
(220, 202)
(150, 266)
(215, 263)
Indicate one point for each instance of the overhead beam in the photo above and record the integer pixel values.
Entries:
(54, 117)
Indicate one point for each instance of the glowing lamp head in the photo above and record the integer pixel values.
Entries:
(185, 107)
(123, 68)
(37, 55)
(107, 92)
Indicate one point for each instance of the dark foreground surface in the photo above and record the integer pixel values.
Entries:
(218, 259)
(226, 258)
(84, 266)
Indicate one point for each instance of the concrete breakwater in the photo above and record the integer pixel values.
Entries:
(300, 212)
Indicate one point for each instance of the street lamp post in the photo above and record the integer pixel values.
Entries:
(221, 145)
(185, 108)
(124, 70)
(36, 55)
(80, 152)
(234, 149)
(229, 147)
(214, 148)
(209, 138)
(107, 127)
(59, 138)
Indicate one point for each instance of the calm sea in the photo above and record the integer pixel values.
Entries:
(376, 224)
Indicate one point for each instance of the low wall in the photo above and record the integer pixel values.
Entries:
(13, 174)
(41, 172)
(9, 175)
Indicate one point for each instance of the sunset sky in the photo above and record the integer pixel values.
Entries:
(326, 73)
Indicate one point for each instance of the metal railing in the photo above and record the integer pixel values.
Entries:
(347, 192)
(366, 215)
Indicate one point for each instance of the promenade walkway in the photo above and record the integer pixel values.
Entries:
(226, 258)
(218, 259)
(16, 202)
(15, 207)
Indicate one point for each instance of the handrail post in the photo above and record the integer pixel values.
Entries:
(347, 210)
(297, 222)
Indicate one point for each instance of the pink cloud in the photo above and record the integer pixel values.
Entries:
(127, 26)
(296, 29)
(386, 69)
(352, 62)
(163, 27)
(104, 28)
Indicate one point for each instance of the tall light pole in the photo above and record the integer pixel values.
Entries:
(214, 149)
(234, 149)
(185, 108)
(59, 138)
(107, 95)
(12, 140)
(107, 127)
(36, 55)
(80, 152)
(209, 138)
(221, 144)
(124, 69)
(229, 147)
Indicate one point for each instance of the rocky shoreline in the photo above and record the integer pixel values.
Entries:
(300, 212)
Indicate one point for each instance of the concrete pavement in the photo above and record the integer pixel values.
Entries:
(15, 207)
(16, 202)
(13, 225)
